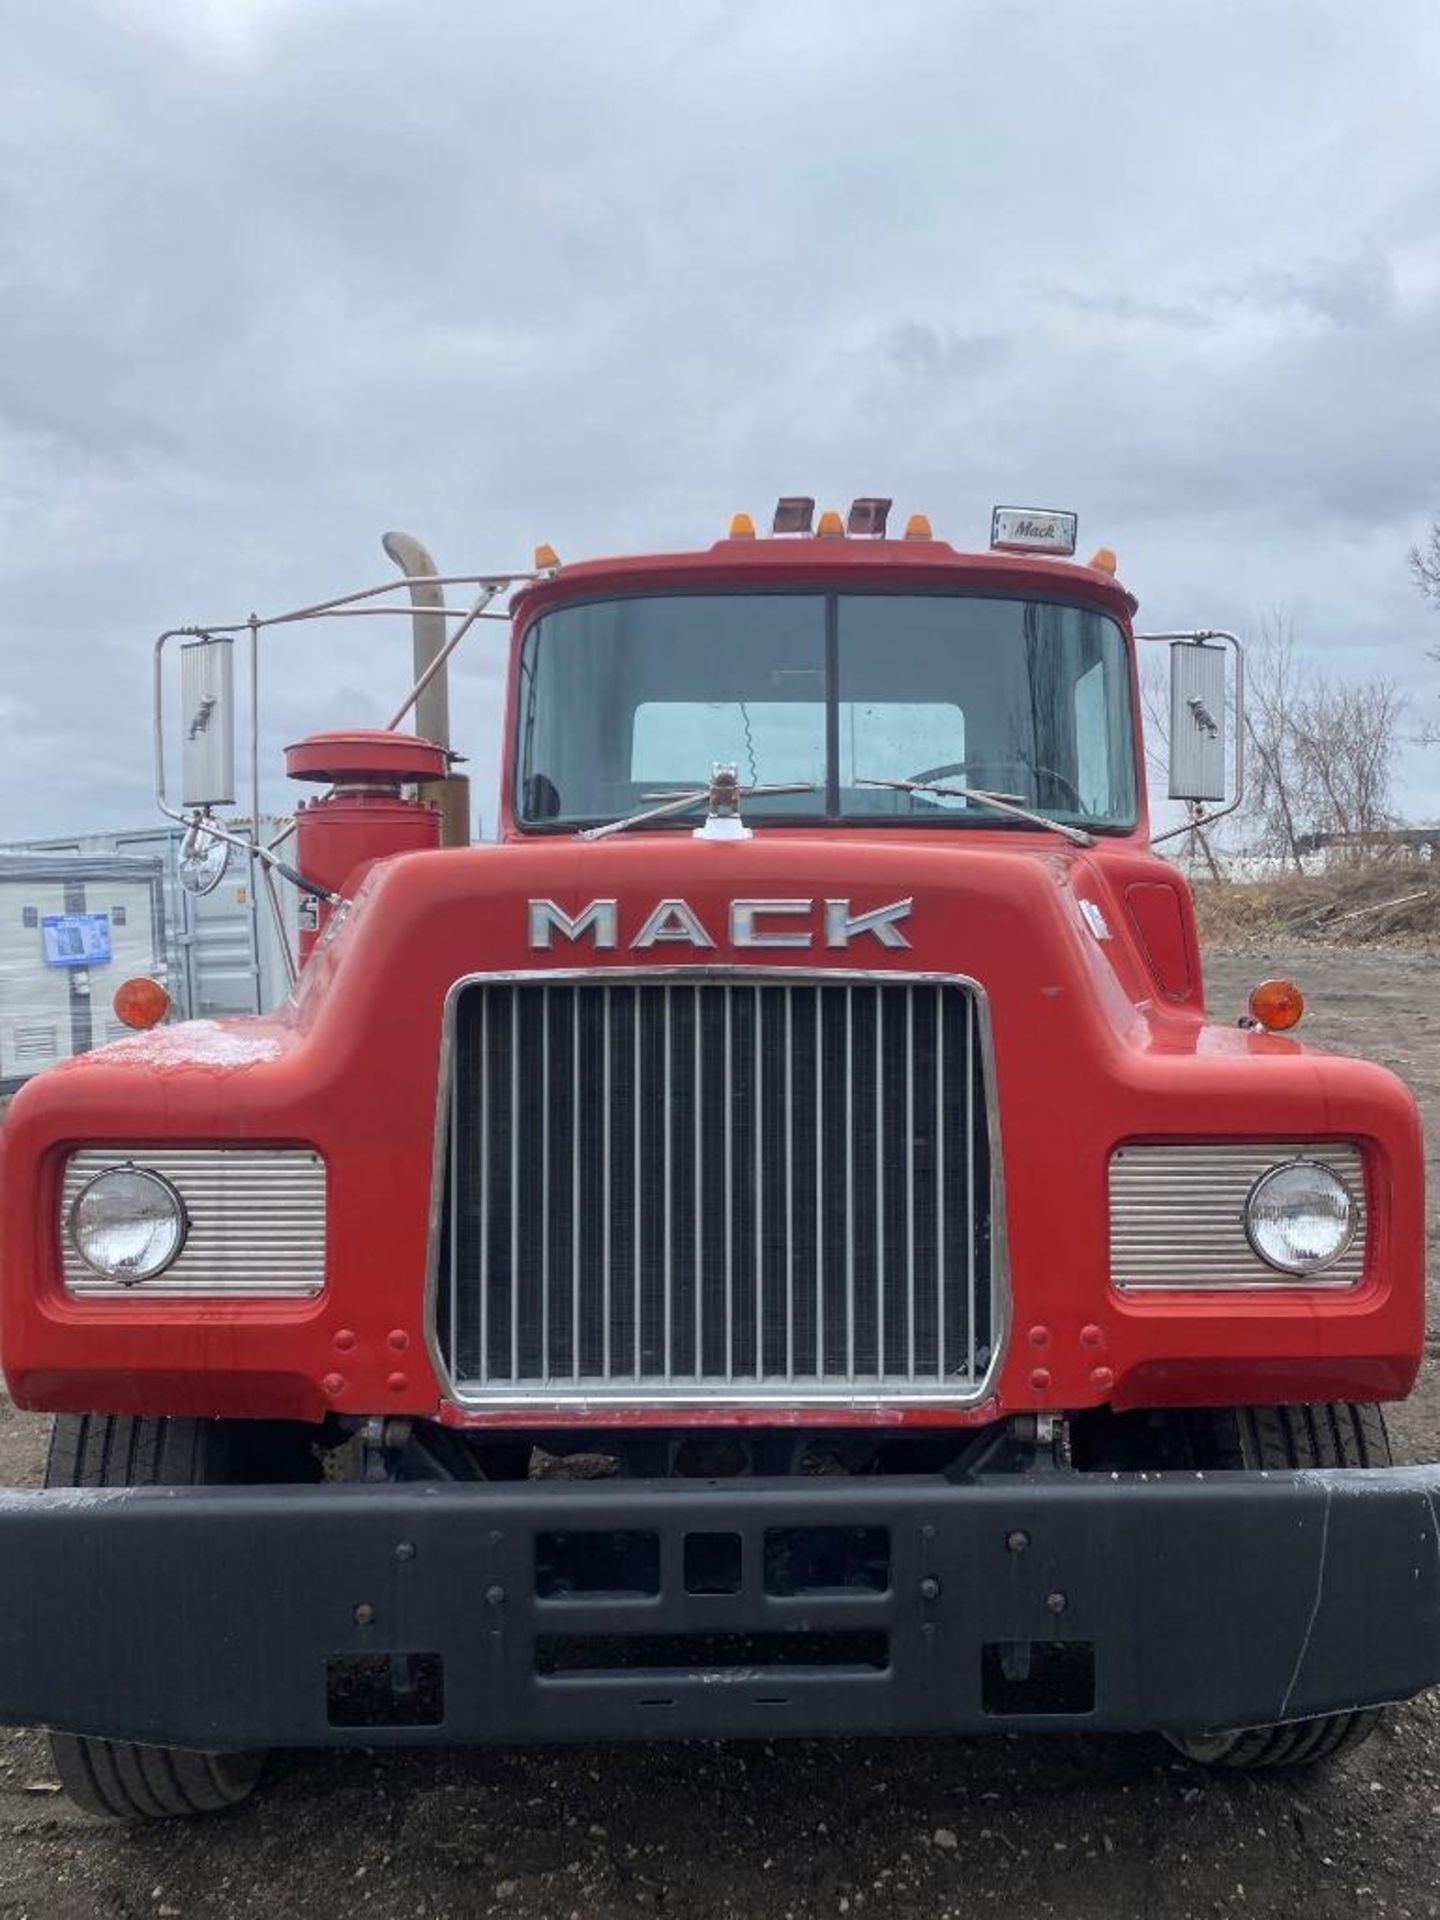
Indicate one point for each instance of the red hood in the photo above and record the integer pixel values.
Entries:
(1004, 912)
(1088, 1051)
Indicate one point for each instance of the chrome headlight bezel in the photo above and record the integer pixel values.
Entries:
(1302, 1269)
(174, 1205)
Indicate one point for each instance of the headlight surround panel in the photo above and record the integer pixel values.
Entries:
(1179, 1215)
(255, 1222)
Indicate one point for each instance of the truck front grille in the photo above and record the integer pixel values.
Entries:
(699, 1190)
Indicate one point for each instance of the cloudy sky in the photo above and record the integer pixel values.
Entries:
(276, 275)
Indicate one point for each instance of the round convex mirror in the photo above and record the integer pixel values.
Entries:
(203, 861)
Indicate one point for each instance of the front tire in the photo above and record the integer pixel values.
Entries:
(1337, 1434)
(122, 1779)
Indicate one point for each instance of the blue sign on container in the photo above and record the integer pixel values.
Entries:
(76, 939)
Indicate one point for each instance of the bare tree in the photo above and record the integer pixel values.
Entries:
(1425, 570)
(1275, 802)
(1347, 736)
(1323, 750)
(1155, 711)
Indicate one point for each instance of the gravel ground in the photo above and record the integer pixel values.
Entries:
(1101, 1826)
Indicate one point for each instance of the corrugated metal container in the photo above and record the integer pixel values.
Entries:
(72, 927)
(218, 956)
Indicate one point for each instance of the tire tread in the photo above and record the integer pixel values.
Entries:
(125, 1779)
(1329, 1434)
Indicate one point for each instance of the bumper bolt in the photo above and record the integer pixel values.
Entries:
(1018, 1541)
(1056, 1602)
(494, 1596)
(364, 1614)
(405, 1550)
(929, 1589)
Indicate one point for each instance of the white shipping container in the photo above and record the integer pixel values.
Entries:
(218, 956)
(71, 929)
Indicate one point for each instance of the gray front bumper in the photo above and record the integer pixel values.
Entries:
(331, 1615)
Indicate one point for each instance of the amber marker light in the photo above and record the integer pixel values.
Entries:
(141, 1002)
(742, 527)
(917, 527)
(1276, 1005)
(831, 526)
(546, 558)
(1104, 561)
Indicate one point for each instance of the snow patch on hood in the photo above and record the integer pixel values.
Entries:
(194, 1043)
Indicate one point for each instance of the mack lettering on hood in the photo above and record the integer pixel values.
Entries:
(751, 923)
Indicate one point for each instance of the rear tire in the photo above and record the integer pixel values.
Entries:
(1336, 1434)
(121, 1779)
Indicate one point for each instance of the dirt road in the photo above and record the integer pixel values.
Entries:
(1110, 1828)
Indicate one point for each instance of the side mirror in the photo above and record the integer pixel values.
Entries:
(1200, 713)
(1197, 721)
(207, 723)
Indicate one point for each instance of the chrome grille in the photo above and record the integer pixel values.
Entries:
(748, 1186)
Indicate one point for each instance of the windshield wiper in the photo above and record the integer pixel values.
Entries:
(996, 800)
(723, 792)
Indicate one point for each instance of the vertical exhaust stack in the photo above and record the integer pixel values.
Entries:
(451, 792)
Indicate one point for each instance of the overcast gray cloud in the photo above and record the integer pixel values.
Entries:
(278, 274)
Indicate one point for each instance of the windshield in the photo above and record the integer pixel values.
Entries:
(621, 700)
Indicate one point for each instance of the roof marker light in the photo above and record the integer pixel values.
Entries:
(1032, 530)
(917, 527)
(867, 517)
(546, 558)
(794, 513)
(742, 527)
(831, 526)
(1104, 561)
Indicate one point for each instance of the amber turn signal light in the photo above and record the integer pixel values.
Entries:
(141, 1002)
(1276, 1005)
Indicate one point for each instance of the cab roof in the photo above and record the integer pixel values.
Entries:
(820, 561)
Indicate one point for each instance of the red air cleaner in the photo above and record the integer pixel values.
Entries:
(367, 814)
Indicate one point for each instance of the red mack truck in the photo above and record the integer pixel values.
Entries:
(770, 1246)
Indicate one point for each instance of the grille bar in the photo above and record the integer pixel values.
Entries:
(715, 1187)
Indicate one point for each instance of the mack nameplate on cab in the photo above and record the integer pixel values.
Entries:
(807, 1107)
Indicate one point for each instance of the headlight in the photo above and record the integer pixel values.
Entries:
(1300, 1217)
(128, 1224)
